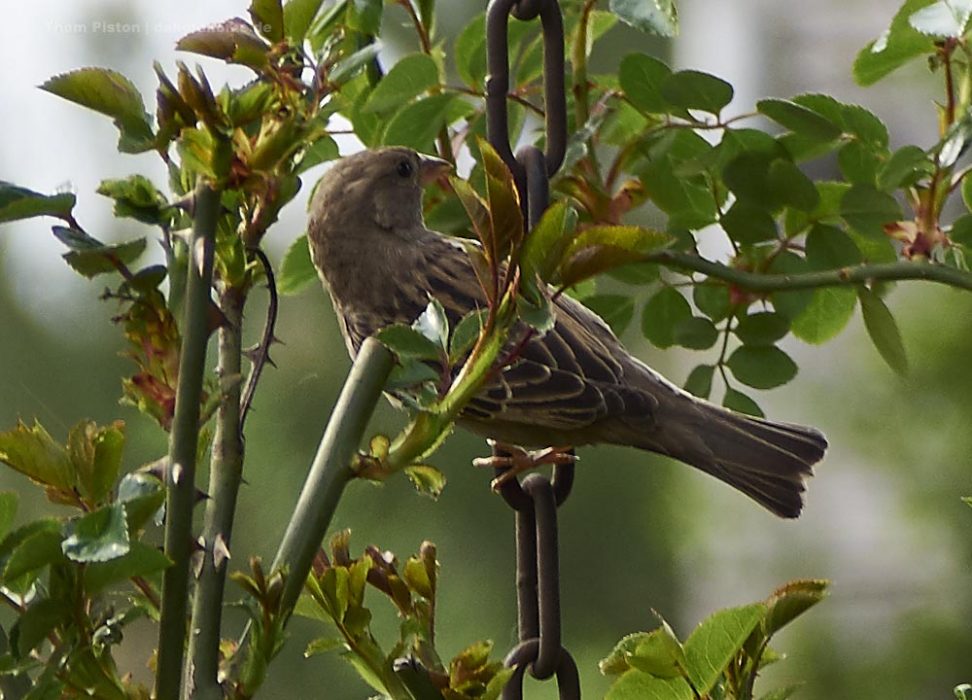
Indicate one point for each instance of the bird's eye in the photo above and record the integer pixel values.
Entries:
(405, 168)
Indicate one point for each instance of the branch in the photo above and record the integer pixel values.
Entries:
(225, 475)
(331, 469)
(860, 274)
(262, 352)
(183, 444)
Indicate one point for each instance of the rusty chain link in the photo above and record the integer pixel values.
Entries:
(536, 499)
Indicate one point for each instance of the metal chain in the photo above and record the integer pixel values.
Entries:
(536, 499)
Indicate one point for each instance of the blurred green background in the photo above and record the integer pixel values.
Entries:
(883, 520)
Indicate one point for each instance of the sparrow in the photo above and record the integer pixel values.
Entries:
(576, 384)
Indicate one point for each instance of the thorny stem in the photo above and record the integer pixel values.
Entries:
(859, 274)
(180, 477)
(225, 475)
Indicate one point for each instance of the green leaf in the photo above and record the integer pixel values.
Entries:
(826, 315)
(297, 269)
(137, 198)
(738, 401)
(20, 203)
(298, 15)
(830, 248)
(91, 257)
(143, 495)
(96, 453)
(790, 601)
(503, 201)
(347, 68)
(636, 273)
(696, 332)
(663, 312)
(867, 210)
(945, 18)
(140, 560)
(852, 119)
(693, 89)
(98, 536)
(408, 343)
(417, 124)
(365, 16)
(34, 625)
(699, 382)
(37, 551)
(908, 165)
(799, 119)
(898, 44)
(653, 16)
(617, 310)
(8, 509)
(659, 653)
(747, 223)
(761, 367)
(791, 303)
(640, 77)
(638, 685)
(233, 41)
(268, 18)
(322, 150)
(110, 93)
(409, 78)
(859, 163)
(714, 643)
(470, 52)
(961, 231)
(466, 333)
(600, 248)
(322, 645)
(791, 186)
(782, 693)
(33, 453)
(883, 330)
(762, 328)
(712, 298)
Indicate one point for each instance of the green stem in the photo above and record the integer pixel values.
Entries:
(859, 274)
(225, 475)
(180, 476)
(331, 469)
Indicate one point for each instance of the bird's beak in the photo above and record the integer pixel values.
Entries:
(431, 168)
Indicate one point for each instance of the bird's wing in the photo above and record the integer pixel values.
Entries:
(567, 379)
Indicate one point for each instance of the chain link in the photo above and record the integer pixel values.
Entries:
(536, 499)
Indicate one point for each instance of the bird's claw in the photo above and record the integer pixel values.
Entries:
(517, 460)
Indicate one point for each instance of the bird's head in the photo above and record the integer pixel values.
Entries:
(380, 187)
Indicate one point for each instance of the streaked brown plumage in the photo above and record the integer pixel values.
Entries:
(575, 385)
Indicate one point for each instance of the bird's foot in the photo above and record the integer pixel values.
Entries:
(517, 460)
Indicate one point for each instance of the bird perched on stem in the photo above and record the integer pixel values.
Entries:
(573, 385)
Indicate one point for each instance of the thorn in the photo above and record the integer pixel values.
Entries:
(269, 361)
(177, 472)
(221, 552)
(277, 340)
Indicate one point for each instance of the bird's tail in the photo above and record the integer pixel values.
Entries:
(766, 460)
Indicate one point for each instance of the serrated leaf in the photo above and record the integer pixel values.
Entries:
(699, 382)
(691, 89)
(826, 315)
(897, 45)
(20, 203)
(867, 210)
(638, 685)
(661, 314)
(233, 41)
(466, 334)
(347, 68)
(905, 167)
(140, 560)
(322, 645)
(96, 453)
(407, 79)
(762, 328)
(408, 343)
(98, 536)
(790, 601)
(696, 332)
(945, 18)
(33, 452)
(883, 330)
(714, 643)
(90, 257)
(36, 551)
(417, 124)
(852, 119)
(761, 367)
(37, 622)
(640, 77)
(143, 495)
(799, 119)
(110, 93)
(616, 310)
(547, 242)
(297, 270)
(653, 16)
(600, 248)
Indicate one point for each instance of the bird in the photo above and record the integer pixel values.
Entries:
(574, 385)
